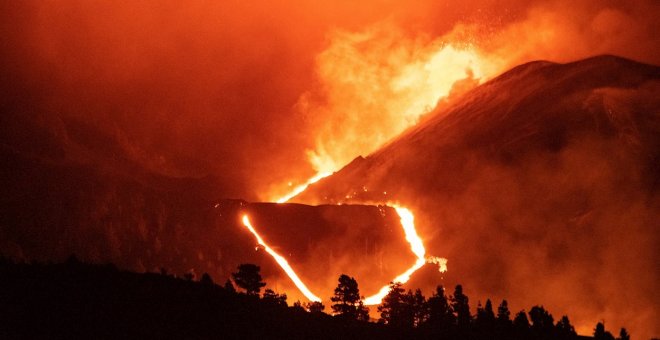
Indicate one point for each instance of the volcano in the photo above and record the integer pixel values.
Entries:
(540, 185)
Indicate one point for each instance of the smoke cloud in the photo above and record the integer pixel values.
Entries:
(261, 94)
(264, 94)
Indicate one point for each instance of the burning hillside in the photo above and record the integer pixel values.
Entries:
(542, 183)
(126, 127)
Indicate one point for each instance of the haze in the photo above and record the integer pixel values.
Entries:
(260, 95)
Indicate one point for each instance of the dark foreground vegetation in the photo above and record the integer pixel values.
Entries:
(76, 300)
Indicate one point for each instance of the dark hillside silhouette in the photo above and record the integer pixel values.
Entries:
(76, 300)
(559, 162)
(82, 301)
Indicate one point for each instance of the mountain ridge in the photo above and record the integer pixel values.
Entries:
(544, 177)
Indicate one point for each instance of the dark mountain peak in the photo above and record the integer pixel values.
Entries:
(548, 161)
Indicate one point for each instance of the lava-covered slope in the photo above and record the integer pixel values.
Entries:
(539, 185)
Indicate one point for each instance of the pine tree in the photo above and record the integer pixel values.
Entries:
(503, 314)
(273, 298)
(440, 313)
(490, 315)
(346, 300)
(565, 329)
(601, 334)
(392, 308)
(520, 322)
(485, 318)
(419, 307)
(229, 287)
(362, 311)
(248, 278)
(206, 280)
(542, 321)
(461, 308)
(315, 307)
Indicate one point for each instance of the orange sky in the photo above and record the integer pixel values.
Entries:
(251, 92)
(262, 94)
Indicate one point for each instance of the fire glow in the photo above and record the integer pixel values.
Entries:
(297, 190)
(416, 245)
(281, 261)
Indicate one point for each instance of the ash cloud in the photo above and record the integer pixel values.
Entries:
(195, 89)
(200, 89)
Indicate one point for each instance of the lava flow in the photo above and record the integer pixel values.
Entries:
(417, 247)
(297, 190)
(282, 262)
(407, 222)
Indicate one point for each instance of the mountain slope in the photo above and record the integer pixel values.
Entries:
(541, 185)
(68, 186)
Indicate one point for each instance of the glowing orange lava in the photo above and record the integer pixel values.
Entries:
(407, 222)
(282, 262)
(417, 247)
(297, 190)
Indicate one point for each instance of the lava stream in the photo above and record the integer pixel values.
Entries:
(282, 262)
(417, 247)
(408, 224)
(297, 190)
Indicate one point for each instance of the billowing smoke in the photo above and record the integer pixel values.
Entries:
(376, 82)
(259, 94)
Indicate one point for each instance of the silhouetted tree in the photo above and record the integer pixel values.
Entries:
(229, 286)
(362, 311)
(520, 322)
(503, 325)
(206, 280)
(83, 290)
(298, 306)
(273, 298)
(542, 321)
(601, 334)
(503, 313)
(346, 300)
(564, 328)
(315, 307)
(461, 308)
(419, 306)
(393, 310)
(404, 310)
(485, 318)
(440, 313)
(248, 278)
(490, 315)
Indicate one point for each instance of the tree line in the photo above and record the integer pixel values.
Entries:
(439, 316)
(77, 300)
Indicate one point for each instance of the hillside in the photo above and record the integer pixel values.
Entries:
(541, 184)
(81, 301)
(74, 300)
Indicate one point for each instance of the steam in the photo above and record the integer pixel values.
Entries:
(264, 94)
(373, 85)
